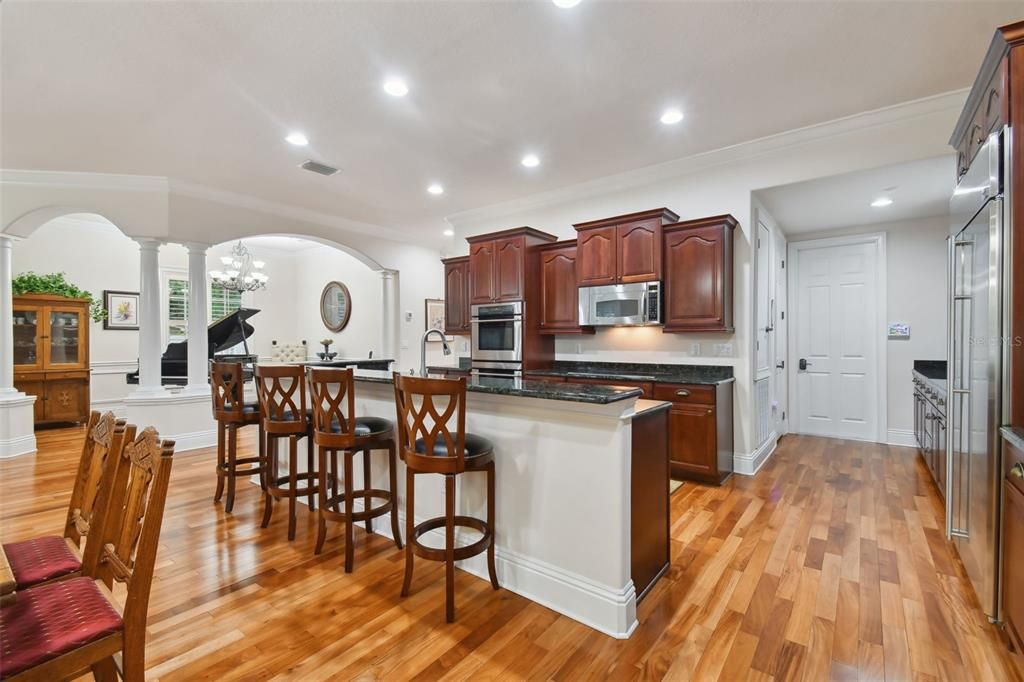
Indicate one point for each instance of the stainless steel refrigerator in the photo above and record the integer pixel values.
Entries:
(975, 382)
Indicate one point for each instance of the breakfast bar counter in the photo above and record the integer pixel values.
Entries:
(582, 519)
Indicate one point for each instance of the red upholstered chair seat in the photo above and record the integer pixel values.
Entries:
(40, 560)
(50, 620)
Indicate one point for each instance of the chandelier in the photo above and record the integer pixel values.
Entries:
(242, 273)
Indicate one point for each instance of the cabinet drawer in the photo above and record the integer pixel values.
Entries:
(1013, 561)
(77, 374)
(685, 393)
(1013, 463)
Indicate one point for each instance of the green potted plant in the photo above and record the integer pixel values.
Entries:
(56, 284)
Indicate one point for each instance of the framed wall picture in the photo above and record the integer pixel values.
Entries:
(122, 309)
(434, 314)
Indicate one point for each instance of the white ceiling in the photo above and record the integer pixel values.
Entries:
(206, 91)
(918, 189)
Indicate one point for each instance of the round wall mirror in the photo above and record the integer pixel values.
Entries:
(335, 306)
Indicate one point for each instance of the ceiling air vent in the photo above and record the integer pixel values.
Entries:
(317, 167)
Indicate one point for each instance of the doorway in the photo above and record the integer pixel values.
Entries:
(837, 360)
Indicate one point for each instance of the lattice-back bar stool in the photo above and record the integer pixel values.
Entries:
(232, 412)
(337, 429)
(282, 392)
(430, 445)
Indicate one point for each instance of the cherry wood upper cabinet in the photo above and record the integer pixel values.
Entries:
(497, 264)
(481, 272)
(456, 295)
(698, 275)
(510, 263)
(621, 249)
(597, 256)
(559, 305)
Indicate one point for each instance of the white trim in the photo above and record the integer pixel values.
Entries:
(77, 180)
(750, 464)
(878, 239)
(195, 440)
(950, 101)
(113, 367)
(901, 437)
(115, 405)
(164, 397)
(15, 447)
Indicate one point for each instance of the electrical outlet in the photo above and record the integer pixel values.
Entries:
(695, 349)
(579, 348)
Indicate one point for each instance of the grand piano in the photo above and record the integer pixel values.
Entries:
(222, 334)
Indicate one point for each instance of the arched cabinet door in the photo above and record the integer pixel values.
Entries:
(456, 295)
(596, 256)
(509, 256)
(639, 251)
(481, 272)
(698, 275)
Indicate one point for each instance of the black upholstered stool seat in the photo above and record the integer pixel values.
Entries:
(476, 446)
(366, 426)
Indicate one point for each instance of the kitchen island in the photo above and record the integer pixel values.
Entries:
(582, 520)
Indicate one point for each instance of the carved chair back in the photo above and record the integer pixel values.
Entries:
(92, 467)
(332, 392)
(432, 411)
(282, 395)
(130, 530)
(227, 385)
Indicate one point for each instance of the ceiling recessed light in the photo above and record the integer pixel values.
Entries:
(449, 233)
(396, 87)
(435, 189)
(565, 4)
(881, 202)
(530, 161)
(670, 116)
(297, 139)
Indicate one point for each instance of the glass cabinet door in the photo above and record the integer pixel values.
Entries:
(26, 338)
(65, 343)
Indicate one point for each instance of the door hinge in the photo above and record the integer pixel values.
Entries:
(758, 242)
(783, 415)
(783, 264)
(783, 313)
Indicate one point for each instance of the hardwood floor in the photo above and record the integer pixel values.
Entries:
(829, 564)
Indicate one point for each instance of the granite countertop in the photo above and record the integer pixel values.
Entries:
(579, 393)
(1014, 435)
(638, 371)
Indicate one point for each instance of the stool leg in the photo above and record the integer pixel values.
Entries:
(449, 547)
(321, 533)
(393, 473)
(270, 462)
(349, 535)
(309, 469)
(262, 450)
(221, 462)
(410, 494)
(490, 524)
(232, 458)
(293, 464)
(366, 486)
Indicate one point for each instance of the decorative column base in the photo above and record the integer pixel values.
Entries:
(17, 427)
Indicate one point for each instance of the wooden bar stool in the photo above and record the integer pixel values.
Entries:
(336, 428)
(282, 393)
(429, 445)
(227, 385)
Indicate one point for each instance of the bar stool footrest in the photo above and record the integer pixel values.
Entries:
(333, 504)
(279, 489)
(461, 553)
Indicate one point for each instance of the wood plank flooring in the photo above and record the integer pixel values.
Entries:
(829, 564)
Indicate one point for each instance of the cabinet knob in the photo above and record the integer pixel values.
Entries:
(1017, 470)
(682, 392)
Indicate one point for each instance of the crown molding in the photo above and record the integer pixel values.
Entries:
(648, 175)
(76, 180)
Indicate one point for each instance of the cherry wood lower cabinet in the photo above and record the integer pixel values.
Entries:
(1013, 545)
(649, 513)
(700, 431)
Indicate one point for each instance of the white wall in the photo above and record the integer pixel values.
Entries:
(716, 183)
(916, 283)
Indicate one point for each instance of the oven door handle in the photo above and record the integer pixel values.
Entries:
(497, 319)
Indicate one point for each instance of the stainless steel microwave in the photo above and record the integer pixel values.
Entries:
(621, 305)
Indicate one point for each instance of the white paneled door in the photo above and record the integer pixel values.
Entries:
(836, 342)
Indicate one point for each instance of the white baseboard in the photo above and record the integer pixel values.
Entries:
(15, 447)
(750, 464)
(904, 437)
(603, 608)
(192, 441)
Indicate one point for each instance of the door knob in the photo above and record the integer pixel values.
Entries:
(1017, 470)
(803, 363)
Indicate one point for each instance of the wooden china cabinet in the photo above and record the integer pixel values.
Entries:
(51, 355)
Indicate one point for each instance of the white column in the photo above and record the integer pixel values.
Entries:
(389, 316)
(198, 341)
(6, 317)
(17, 422)
(149, 317)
